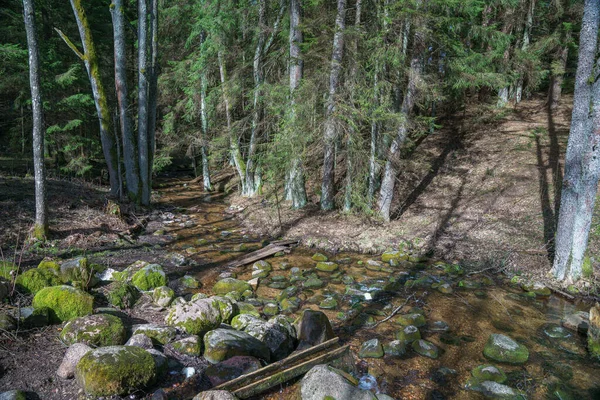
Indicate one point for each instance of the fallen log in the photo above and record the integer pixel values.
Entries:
(256, 255)
(282, 371)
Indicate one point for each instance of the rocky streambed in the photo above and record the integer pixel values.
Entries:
(180, 325)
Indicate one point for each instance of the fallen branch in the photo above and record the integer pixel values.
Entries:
(396, 311)
(256, 255)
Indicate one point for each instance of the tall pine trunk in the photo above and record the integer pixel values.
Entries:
(143, 106)
(130, 156)
(386, 192)
(558, 70)
(574, 199)
(295, 186)
(525, 46)
(331, 123)
(204, 134)
(107, 136)
(152, 88)
(40, 229)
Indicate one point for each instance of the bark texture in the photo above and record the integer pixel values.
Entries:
(40, 229)
(152, 88)
(525, 46)
(143, 106)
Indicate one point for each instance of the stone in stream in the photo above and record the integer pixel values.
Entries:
(289, 305)
(577, 321)
(445, 288)
(74, 353)
(221, 344)
(262, 265)
(227, 285)
(373, 265)
(371, 349)
(260, 273)
(327, 266)
(319, 257)
(313, 328)
(247, 308)
(163, 296)
(159, 334)
(271, 309)
(487, 372)
(190, 346)
(324, 382)
(241, 321)
(415, 319)
(115, 370)
(275, 334)
(195, 318)
(438, 326)
(502, 348)
(536, 287)
(94, 330)
(122, 295)
(395, 348)
(594, 331)
(313, 282)
(390, 256)
(495, 390)
(556, 331)
(408, 334)
(425, 348)
(215, 395)
(64, 302)
(231, 368)
(329, 303)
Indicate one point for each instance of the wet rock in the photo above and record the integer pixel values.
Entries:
(408, 334)
(7, 322)
(415, 319)
(262, 265)
(445, 288)
(94, 330)
(231, 368)
(394, 256)
(373, 265)
(329, 303)
(74, 353)
(259, 273)
(149, 277)
(195, 318)
(319, 257)
(275, 334)
(488, 373)
(425, 348)
(313, 328)
(439, 326)
(324, 382)
(190, 346)
(578, 321)
(64, 302)
(115, 370)
(227, 285)
(13, 395)
(221, 344)
(35, 279)
(160, 361)
(247, 308)
(502, 348)
(241, 321)
(163, 296)
(122, 295)
(327, 266)
(271, 309)
(159, 334)
(313, 282)
(140, 340)
(395, 348)
(215, 395)
(190, 282)
(371, 349)
(556, 331)
(536, 287)
(495, 390)
(278, 285)
(289, 305)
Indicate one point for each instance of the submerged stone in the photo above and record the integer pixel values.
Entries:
(502, 348)
(556, 331)
(495, 390)
(425, 348)
(328, 303)
(227, 285)
(327, 266)
(371, 349)
(408, 334)
(488, 373)
(319, 257)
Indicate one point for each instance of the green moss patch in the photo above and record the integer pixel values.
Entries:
(149, 277)
(64, 302)
(122, 295)
(34, 280)
(94, 330)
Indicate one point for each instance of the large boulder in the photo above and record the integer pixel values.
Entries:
(64, 302)
(115, 370)
(74, 353)
(78, 272)
(35, 279)
(163, 296)
(196, 318)
(324, 382)
(313, 328)
(149, 277)
(95, 330)
(502, 348)
(122, 295)
(227, 285)
(159, 334)
(280, 340)
(221, 344)
(231, 368)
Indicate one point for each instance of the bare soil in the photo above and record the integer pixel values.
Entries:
(482, 191)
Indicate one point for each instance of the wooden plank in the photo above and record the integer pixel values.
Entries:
(256, 255)
(285, 363)
(284, 242)
(287, 374)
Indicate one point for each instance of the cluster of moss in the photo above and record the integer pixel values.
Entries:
(149, 277)
(64, 302)
(34, 280)
(95, 330)
(122, 295)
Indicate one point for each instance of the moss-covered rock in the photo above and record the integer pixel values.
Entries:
(127, 273)
(415, 319)
(115, 370)
(149, 277)
(594, 331)
(262, 265)
(8, 270)
(95, 330)
(227, 307)
(319, 257)
(122, 295)
(190, 346)
(390, 256)
(425, 348)
(64, 302)
(159, 334)
(371, 349)
(227, 285)
(502, 348)
(190, 282)
(221, 344)
(327, 266)
(48, 263)
(7, 322)
(408, 334)
(488, 373)
(35, 279)
(163, 296)
(195, 318)
(79, 272)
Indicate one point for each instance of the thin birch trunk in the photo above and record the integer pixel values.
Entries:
(295, 186)
(234, 148)
(558, 71)
(143, 137)
(373, 165)
(525, 46)
(152, 88)
(503, 93)
(204, 134)
(130, 157)
(572, 185)
(40, 228)
(331, 123)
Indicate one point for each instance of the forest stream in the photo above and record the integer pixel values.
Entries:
(461, 310)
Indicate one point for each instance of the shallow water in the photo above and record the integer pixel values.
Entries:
(557, 368)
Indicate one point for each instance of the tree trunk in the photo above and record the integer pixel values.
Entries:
(130, 157)
(143, 137)
(234, 148)
(107, 137)
(295, 187)
(558, 71)
(258, 74)
(571, 206)
(40, 229)
(204, 134)
(524, 46)
(373, 166)
(331, 123)
(386, 191)
(152, 89)
(503, 93)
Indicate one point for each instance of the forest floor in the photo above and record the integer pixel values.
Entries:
(481, 191)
